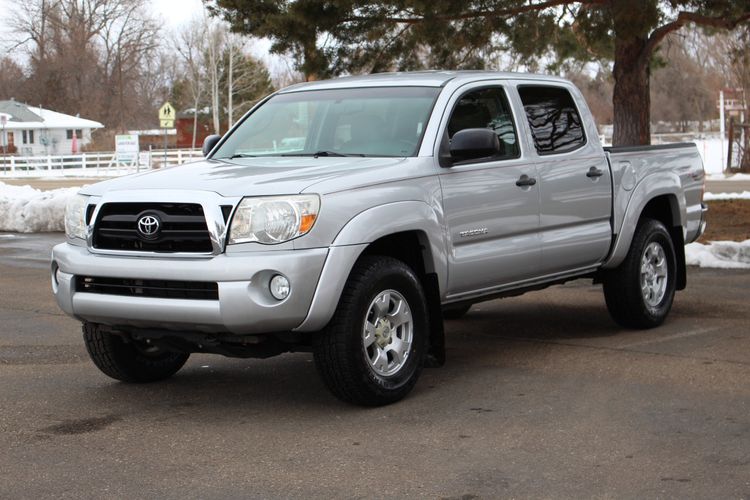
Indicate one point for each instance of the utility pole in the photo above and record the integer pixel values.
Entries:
(721, 128)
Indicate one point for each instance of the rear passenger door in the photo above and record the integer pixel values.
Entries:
(574, 180)
(492, 222)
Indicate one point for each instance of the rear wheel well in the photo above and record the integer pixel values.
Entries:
(666, 210)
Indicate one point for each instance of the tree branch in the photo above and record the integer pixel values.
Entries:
(511, 11)
(684, 18)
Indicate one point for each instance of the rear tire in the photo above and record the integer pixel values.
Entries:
(640, 291)
(129, 361)
(372, 351)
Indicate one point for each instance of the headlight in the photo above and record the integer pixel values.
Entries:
(273, 220)
(75, 216)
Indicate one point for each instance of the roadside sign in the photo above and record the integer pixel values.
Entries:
(126, 148)
(166, 123)
(166, 112)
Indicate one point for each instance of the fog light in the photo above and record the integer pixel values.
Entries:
(279, 287)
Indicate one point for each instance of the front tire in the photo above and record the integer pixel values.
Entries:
(640, 291)
(372, 352)
(129, 361)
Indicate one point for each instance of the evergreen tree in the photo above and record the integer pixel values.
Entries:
(330, 37)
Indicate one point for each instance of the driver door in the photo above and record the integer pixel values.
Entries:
(493, 223)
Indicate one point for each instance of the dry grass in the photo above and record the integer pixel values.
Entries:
(727, 220)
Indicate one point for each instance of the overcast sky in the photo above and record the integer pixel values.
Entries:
(173, 13)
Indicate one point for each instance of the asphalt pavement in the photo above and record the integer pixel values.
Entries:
(543, 396)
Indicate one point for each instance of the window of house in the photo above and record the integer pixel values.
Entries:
(487, 108)
(31, 137)
(23, 137)
(69, 133)
(555, 123)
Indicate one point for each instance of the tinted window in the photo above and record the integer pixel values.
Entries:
(486, 108)
(554, 120)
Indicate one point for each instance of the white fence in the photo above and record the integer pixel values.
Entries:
(93, 164)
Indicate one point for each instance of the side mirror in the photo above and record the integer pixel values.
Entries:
(472, 143)
(209, 143)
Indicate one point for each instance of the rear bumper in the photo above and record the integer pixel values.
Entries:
(702, 226)
(244, 306)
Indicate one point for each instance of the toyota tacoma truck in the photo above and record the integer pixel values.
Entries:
(348, 217)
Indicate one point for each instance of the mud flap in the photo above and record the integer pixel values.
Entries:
(436, 350)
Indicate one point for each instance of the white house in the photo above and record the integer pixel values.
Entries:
(32, 130)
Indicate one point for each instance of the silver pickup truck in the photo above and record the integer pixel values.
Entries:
(349, 217)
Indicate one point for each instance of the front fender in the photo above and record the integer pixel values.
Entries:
(363, 229)
(649, 187)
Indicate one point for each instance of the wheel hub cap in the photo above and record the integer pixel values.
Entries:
(387, 333)
(654, 274)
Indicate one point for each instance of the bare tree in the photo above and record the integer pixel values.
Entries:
(84, 55)
(11, 79)
(190, 44)
(216, 34)
(247, 78)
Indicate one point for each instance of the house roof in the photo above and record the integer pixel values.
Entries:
(21, 116)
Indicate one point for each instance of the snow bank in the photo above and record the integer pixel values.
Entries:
(24, 209)
(731, 177)
(719, 254)
(745, 195)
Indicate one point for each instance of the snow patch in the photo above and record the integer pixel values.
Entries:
(745, 195)
(24, 209)
(719, 254)
(730, 177)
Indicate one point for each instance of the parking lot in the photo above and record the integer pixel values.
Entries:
(542, 396)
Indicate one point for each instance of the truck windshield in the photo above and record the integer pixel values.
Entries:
(382, 121)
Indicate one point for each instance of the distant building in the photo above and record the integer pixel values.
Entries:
(154, 138)
(184, 125)
(32, 130)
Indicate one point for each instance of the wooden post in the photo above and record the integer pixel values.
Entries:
(744, 149)
(731, 141)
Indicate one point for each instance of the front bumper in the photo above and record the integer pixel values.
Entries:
(245, 305)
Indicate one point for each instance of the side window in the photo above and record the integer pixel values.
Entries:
(486, 108)
(554, 119)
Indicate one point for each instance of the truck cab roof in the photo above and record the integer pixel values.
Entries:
(436, 78)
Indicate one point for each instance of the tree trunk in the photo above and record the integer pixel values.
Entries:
(195, 122)
(230, 84)
(631, 97)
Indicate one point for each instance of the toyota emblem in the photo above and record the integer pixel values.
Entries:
(148, 226)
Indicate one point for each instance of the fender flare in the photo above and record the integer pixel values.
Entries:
(650, 187)
(363, 229)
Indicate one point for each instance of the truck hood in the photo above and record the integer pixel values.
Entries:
(261, 176)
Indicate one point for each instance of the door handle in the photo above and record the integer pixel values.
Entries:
(594, 172)
(525, 180)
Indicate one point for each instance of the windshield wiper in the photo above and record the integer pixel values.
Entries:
(239, 155)
(324, 153)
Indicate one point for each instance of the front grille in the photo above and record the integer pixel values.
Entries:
(163, 289)
(182, 228)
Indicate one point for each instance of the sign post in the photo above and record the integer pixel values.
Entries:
(166, 121)
(3, 122)
(127, 150)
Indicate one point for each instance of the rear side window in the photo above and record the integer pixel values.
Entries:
(554, 119)
(486, 108)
